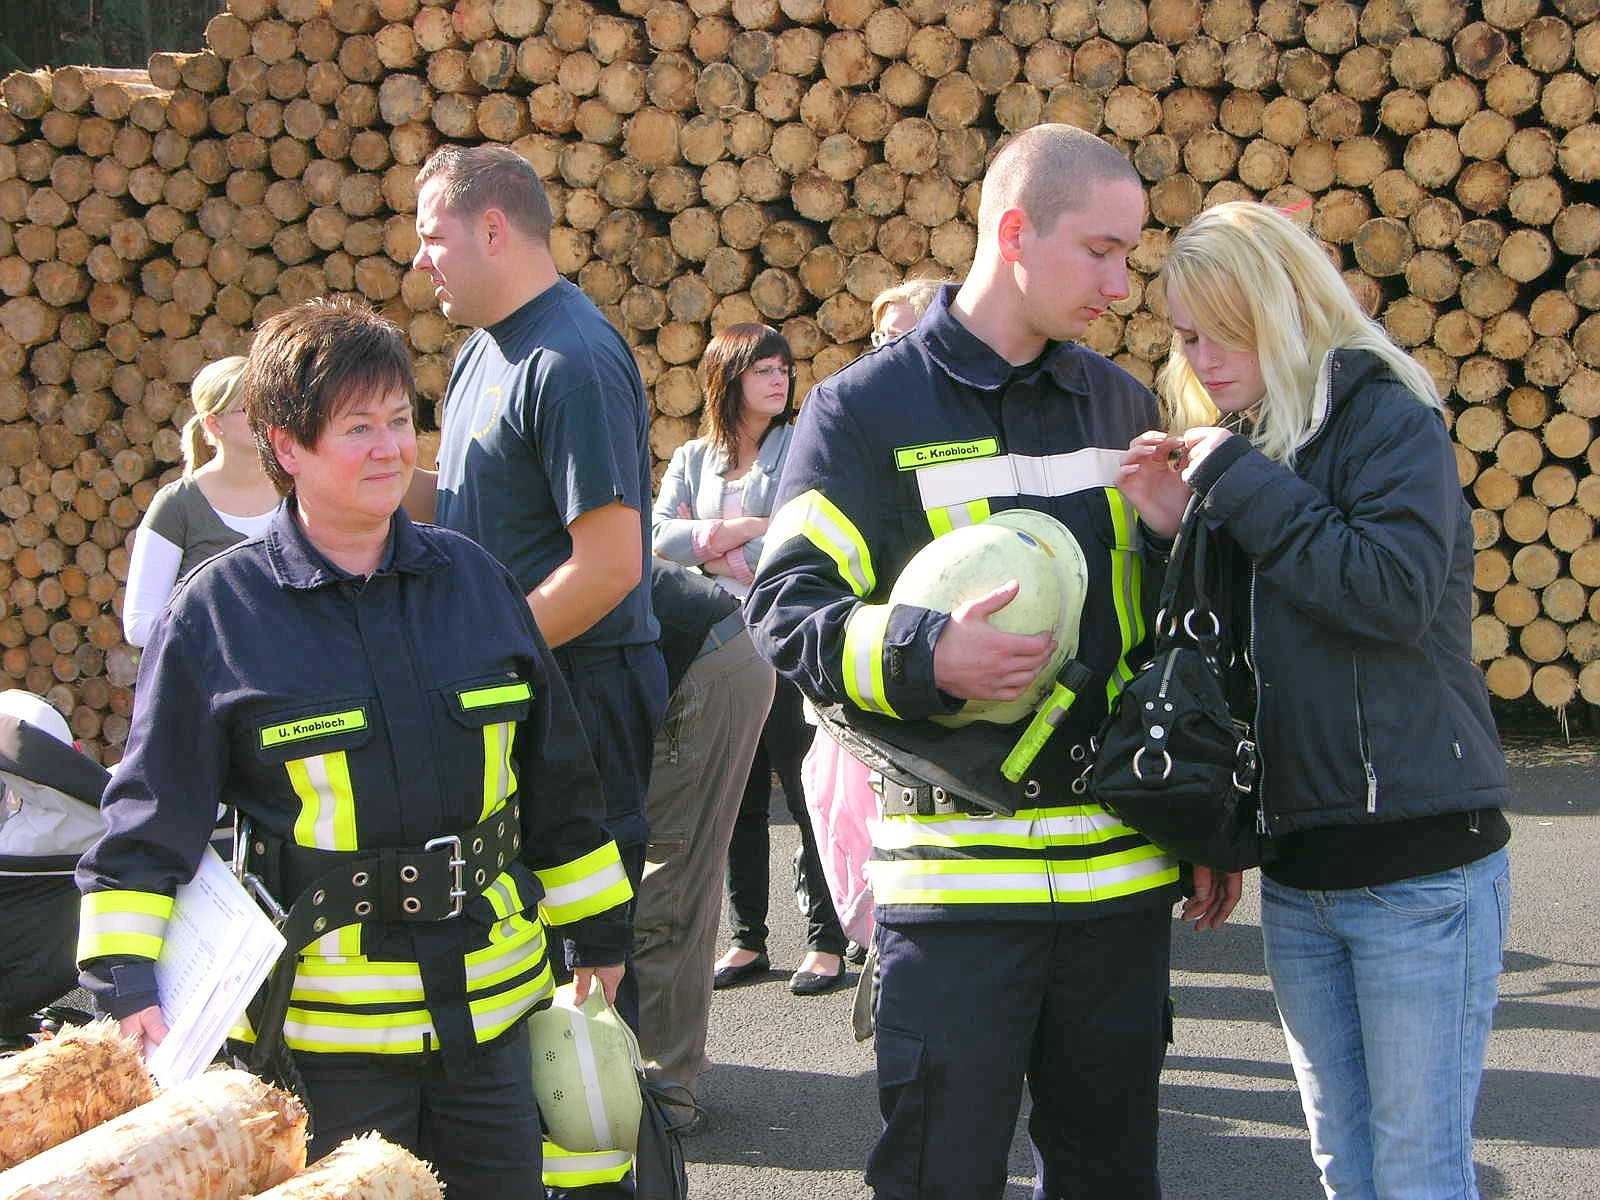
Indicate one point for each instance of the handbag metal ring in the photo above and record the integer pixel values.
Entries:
(1164, 626)
(1080, 786)
(1166, 767)
(1188, 626)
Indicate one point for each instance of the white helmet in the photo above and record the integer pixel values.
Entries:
(586, 1065)
(1033, 548)
(27, 707)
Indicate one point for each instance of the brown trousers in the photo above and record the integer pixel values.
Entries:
(702, 757)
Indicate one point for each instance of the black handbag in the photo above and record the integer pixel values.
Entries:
(1170, 760)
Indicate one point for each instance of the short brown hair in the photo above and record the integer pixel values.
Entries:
(1045, 171)
(729, 355)
(478, 178)
(308, 362)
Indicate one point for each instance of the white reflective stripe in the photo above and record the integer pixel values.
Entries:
(525, 950)
(501, 897)
(589, 885)
(317, 773)
(912, 876)
(589, 1070)
(925, 875)
(342, 986)
(1095, 880)
(569, 1162)
(487, 1022)
(98, 924)
(1017, 475)
(369, 1036)
(899, 833)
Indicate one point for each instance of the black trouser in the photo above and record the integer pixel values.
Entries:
(621, 696)
(784, 741)
(967, 1011)
(480, 1131)
(36, 963)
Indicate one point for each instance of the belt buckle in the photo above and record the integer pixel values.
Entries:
(458, 870)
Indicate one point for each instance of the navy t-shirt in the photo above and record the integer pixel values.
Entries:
(546, 419)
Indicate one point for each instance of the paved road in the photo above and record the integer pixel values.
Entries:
(792, 1107)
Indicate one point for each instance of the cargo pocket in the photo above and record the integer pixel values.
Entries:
(894, 1168)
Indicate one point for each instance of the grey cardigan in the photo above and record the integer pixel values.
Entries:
(694, 477)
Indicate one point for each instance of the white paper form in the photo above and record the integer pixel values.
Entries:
(218, 950)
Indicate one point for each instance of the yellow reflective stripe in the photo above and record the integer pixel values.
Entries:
(307, 728)
(122, 922)
(583, 887)
(493, 1015)
(504, 898)
(499, 961)
(341, 943)
(813, 516)
(958, 516)
(485, 697)
(1078, 825)
(1127, 576)
(864, 632)
(327, 819)
(358, 1033)
(499, 776)
(569, 1168)
(1020, 881)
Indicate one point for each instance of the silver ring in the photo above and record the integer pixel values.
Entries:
(477, 845)
(408, 874)
(319, 924)
(360, 879)
(363, 907)
(1216, 625)
(1031, 789)
(1080, 786)
(1166, 766)
(478, 876)
(318, 896)
(411, 904)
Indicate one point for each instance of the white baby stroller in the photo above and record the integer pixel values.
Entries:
(49, 815)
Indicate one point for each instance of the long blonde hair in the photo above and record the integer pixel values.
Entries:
(1254, 280)
(213, 393)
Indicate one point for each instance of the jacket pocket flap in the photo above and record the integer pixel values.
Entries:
(490, 701)
(334, 725)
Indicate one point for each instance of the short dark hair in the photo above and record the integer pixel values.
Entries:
(310, 361)
(478, 178)
(729, 355)
(1046, 171)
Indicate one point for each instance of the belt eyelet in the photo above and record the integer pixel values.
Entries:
(318, 896)
(360, 879)
(363, 908)
(319, 924)
(478, 876)
(1031, 789)
(408, 874)
(412, 905)
(477, 845)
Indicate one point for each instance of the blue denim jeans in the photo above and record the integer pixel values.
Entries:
(1386, 995)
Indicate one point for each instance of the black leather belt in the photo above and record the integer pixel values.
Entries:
(348, 887)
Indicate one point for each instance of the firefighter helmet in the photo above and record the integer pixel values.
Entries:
(586, 1073)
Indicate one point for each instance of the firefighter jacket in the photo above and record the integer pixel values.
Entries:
(356, 714)
(929, 433)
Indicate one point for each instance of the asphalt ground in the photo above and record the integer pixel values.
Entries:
(792, 1107)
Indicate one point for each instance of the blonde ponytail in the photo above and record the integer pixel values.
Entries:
(213, 393)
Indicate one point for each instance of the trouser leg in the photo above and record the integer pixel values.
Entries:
(788, 737)
(958, 1005)
(702, 759)
(347, 1095)
(481, 1130)
(37, 962)
(749, 850)
(1095, 1063)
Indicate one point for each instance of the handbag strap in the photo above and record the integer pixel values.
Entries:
(1186, 607)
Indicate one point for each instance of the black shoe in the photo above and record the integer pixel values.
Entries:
(855, 954)
(809, 983)
(728, 976)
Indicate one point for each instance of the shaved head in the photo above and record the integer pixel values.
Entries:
(1047, 171)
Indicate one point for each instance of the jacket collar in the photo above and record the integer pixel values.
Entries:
(1342, 371)
(768, 455)
(298, 565)
(968, 359)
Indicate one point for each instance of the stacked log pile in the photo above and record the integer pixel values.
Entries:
(713, 161)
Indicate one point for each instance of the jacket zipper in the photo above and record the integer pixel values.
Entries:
(1261, 758)
(1361, 741)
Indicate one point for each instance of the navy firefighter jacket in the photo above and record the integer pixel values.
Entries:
(932, 432)
(353, 714)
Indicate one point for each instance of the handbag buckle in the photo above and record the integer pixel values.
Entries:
(1166, 767)
(1244, 762)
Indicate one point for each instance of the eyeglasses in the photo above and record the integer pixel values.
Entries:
(771, 372)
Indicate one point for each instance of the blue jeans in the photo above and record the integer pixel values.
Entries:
(1386, 995)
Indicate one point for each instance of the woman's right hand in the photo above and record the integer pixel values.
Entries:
(147, 1026)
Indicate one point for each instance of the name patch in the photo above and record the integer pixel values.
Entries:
(313, 727)
(931, 454)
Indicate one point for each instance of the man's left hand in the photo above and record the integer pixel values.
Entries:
(610, 978)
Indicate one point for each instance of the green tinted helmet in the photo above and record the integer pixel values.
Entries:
(586, 1074)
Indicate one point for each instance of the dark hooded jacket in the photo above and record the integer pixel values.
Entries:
(1369, 707)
